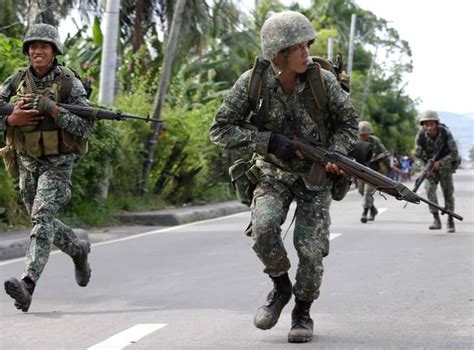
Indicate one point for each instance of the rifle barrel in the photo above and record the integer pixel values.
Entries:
(443, 210)
(87, 112)
(100, 113)
(381, 182)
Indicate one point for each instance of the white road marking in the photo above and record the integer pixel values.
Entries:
(127, 337)
(382, 210)
(334, 236)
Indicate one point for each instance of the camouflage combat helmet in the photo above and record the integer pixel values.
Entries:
(43, 32)
(283, 30)
(428, 115)
(365, 128)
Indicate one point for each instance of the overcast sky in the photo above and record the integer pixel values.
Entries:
(440, 34)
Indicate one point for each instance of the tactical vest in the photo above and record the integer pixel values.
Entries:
(45, 138)
(315, 94)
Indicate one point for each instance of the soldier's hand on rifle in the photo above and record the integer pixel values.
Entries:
(436, 166)
(42, 104)
(23, 116)
(333, 169)
(281, 147)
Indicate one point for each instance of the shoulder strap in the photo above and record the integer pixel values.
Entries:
(443, 129)
(422, 139)
(316, 99)
(18, 77)
(65, 85)
(257, 82)
(258, 91)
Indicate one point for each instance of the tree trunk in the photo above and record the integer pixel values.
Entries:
(162, 87)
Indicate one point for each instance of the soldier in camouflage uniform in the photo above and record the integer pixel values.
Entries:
(42, 135)
(379, 162)
(283, 177)
(431, 137)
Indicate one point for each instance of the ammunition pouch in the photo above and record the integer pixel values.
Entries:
(39, 143)
(10, 161)
(244, 177)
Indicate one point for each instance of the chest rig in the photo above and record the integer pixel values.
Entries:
(45, 138)
(315, 94)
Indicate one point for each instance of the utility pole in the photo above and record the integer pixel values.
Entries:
(330, 48)
(162, 87)
(350, 56)
(109, 52)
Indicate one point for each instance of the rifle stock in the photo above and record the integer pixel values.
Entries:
(382, 183)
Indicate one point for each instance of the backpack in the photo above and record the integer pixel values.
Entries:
(443, 130)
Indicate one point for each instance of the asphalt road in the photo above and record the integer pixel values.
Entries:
(388, 284)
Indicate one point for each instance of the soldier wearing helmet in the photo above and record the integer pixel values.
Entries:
(280, 176)
(434, 136)
(380, 161)
(41, 138)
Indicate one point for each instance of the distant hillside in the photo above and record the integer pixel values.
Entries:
(462, 128)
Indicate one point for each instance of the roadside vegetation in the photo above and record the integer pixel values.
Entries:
(218, 43)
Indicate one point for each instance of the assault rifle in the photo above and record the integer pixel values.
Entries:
(88, 112)
(426, 171)
(320, 155)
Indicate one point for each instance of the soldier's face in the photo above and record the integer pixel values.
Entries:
(41, 54)
(431, 127)
(363, 137)
(298, 57)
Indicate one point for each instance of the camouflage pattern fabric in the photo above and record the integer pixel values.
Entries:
(281, 182)
(378, 149)
(270, 206)
(284, 29)
(287, 115)
(444, 176)
(45, 183)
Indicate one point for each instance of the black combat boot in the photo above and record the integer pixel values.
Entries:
(451, 228)
(301, 323)
(21, 291)
(363, 218)
(267, 315)
(83, 270)
(373, 213)
(436, 225)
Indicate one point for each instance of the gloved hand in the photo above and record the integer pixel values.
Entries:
(41, 103)
(281, 147)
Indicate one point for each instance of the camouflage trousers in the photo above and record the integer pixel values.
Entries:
(270, 206)
(445, 178)
(44, 191)
(368, 196)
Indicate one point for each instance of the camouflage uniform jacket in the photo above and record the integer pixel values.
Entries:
(287, 115)
(431, 145)
(65, 119)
